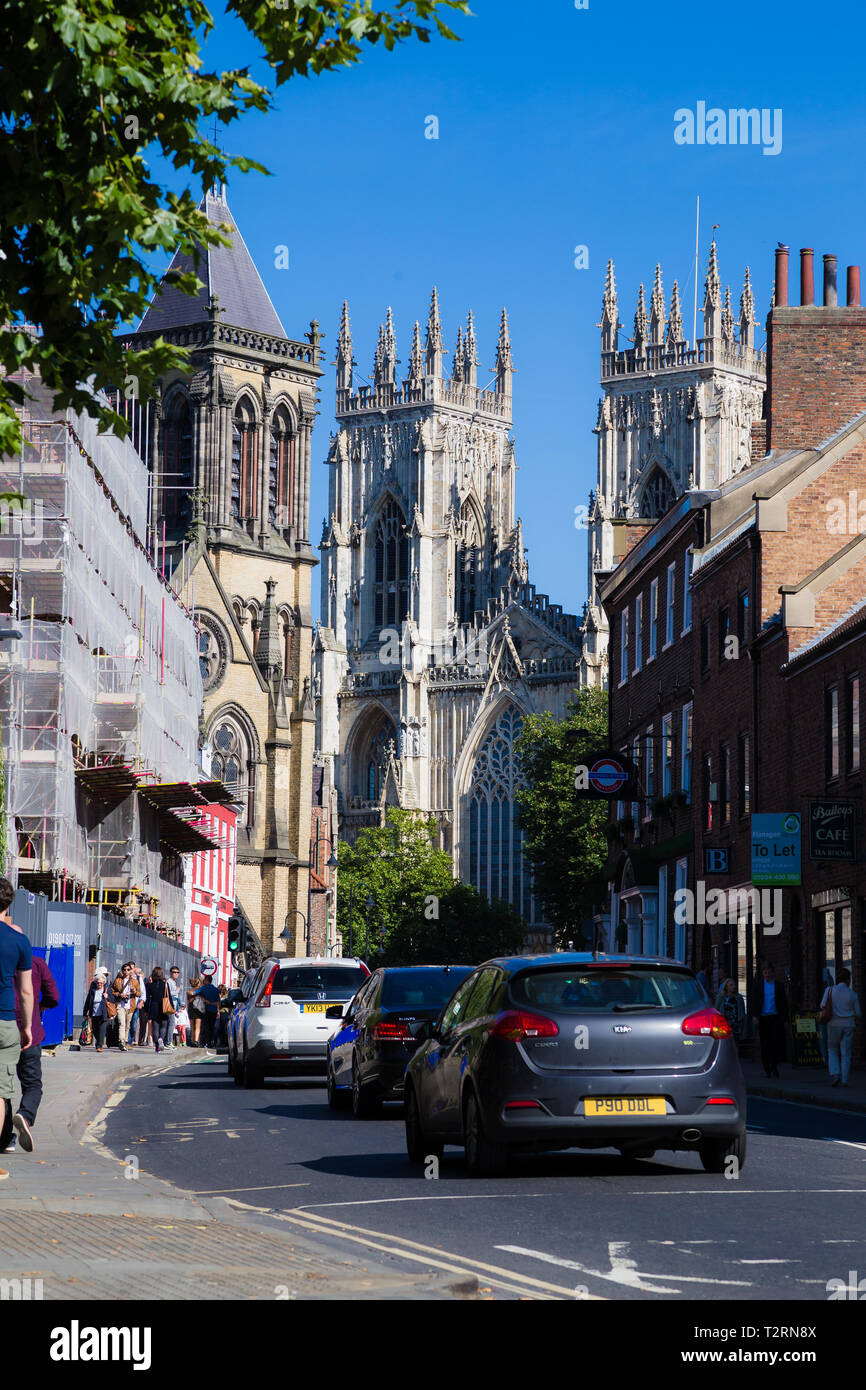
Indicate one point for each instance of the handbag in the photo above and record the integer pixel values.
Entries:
(166, 1003)
(86, 1034)
(196, 1005)
(827, 1011)
(110, 1007)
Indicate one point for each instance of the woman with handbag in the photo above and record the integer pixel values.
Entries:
(159, 1008)
(96, 1006)
(840, 1009)
(195, 1005)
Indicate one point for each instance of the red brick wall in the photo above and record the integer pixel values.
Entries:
(817, 373)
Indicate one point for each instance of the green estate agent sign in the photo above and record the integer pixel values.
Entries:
(776, 850)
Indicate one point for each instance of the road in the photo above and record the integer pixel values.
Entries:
(569, 1223)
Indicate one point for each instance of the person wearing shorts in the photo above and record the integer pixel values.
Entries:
(16, 963)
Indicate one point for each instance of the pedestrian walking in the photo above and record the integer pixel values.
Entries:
(17, 1128)
(195, 1006)
(96, 1006)
(126, 996)
(769, 1012)
(209, 993)
(16, 971)
(173, 983)
(145, 1022)
(159, 1008)
(840, 1009)
(729, 1002)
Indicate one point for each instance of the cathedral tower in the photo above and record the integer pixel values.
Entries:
(229, 450)
(674, 416)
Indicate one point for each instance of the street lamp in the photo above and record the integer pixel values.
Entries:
(287, 936)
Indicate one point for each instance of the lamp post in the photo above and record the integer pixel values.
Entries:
(332, 863)
(287, 936)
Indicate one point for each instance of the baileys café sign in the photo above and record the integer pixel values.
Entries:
(832, 827)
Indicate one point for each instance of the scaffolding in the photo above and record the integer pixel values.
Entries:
(101, 696)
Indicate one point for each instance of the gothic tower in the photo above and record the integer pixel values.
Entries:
(229, 451)
(674, 416)
(433, 644)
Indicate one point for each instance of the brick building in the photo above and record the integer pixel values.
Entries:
(776, 645)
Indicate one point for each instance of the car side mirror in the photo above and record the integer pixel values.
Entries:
(335, 1011)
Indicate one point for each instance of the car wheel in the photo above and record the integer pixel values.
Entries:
(336, 1098)
(484, 1159)
(364, 1104)
(418, 1146)
(716, 1153)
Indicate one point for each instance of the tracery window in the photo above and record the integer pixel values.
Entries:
(391, 573)
(658, 495)
(468, 567)
(233, 765)
(177, 467)
(375, 760)
(281, 480)
(245, 445)
(498, 866)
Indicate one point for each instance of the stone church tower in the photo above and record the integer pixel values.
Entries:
(674, 416)
(433, 645)
(229, 450)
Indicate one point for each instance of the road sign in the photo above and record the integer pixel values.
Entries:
(208, 965)
(605, 774)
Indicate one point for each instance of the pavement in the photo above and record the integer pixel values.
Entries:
(92, 1226)
(807, 1086)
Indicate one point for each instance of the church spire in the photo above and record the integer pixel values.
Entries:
(504, 361)
(675, 322)
(344, 362)
(379, 359)
(747, 313)
(390, 344)
(640, 325)
(416, 357)
(712, 297)
(728, 317)
(434, 337)
(609, 313)
(457, 368)
(470, 354)
(657, 310)
(269, 650)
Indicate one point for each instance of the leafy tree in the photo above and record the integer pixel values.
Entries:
(565, 841)
(419, 914)
(88, 87)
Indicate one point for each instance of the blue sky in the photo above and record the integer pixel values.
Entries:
(555, 130)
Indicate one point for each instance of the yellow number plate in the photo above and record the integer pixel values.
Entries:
(624, 1105)
(314, 1008)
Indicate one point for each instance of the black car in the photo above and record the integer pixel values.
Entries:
(368, 1054)
(572, 1051)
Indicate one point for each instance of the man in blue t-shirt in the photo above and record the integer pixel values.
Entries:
(211, 996)
(16, 962)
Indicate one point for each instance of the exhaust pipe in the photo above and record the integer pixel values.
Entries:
(691, 1136)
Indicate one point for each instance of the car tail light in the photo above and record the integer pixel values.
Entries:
(392, 1032)
(516, 1024)
(709, 1023)
(522, 1105)
(721, 1100)
(264, 999)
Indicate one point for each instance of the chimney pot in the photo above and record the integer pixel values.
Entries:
(807, 276)
(854, 285)
(830, 298)
(781, 298)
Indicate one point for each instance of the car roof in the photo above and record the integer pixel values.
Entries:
(569, 958)
(348, 962)
(417, 969)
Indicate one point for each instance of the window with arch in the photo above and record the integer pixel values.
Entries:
(177, 477)
(498, 866)
(233, 765)
(658, 495)
(375, 760)
(391, 583)
(255, 618)
(245, 445)
(281, 479)
(287, 624)
(468, 567)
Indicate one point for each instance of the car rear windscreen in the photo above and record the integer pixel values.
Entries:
(421, 989)
(314, 981)
(564, 990)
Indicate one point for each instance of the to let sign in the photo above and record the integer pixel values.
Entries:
(776, 850)
(832, 830)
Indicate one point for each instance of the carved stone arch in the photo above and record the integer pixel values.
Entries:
(387, 562)
(177, 477)
(282, 445)
(657, 493)
(288, 620)
(236, 754)
(469, 552)
(245, 471)
(369, 738)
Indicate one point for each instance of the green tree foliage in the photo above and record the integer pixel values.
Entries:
(418, 915)
(565, 841)
(88, 87)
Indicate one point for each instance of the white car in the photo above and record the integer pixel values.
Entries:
(278, 1026)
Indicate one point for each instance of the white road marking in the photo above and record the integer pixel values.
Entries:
(849, 1144)
(733, 1191)
(273, 1187)
(443, 1197)
(622, 1269)
(769, 1262)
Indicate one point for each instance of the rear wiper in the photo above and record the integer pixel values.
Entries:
(635, 1008)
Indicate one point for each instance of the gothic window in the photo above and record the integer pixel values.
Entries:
(281, 481)
(288, 626)
(391, 581)
(658, 495)
(498, 866)
(245, 444)
(468, 567)
(255, 624)
(233, 765)
(375, 758)
(177, 469)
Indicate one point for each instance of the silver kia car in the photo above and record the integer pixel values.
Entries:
(577, 1051)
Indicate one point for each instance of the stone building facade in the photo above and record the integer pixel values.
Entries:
(229, 444)
(434, 646)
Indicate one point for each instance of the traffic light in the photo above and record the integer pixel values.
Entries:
(236, 935)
